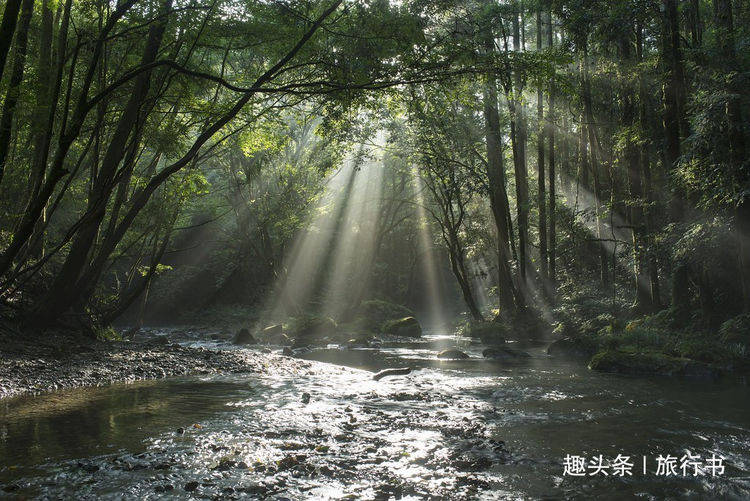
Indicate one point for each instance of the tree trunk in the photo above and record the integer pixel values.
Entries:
(7, 28)
(674, 97)
(38, 201)
(594, 155)
(519, 133)
(16, 79)
(541, 194)
(552, 191)
(725, 22)
(498, 196)
(635, 191)
(647, 193)
(65, 290)
(458, 267)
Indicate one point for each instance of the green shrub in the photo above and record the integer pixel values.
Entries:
(736, 330)
(107, 334)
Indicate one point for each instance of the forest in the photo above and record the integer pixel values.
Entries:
(280, 183)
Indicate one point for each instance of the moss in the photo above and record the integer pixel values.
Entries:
(623, 362)
(311, 326)
(486, 331)
(407, 326)
(650, 363)
(107, 334)
(373, 314)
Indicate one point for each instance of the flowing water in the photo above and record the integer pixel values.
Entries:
(463, 429)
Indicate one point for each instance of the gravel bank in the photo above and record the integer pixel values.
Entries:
(60, 361)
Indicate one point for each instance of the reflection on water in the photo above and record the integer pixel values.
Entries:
(451, 429)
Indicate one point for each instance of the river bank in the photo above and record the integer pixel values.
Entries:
(59, 360)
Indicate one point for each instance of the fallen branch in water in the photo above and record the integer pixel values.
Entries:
(392, 372)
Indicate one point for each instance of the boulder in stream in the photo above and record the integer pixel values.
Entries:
(407, 326)
(452, 354)
(358, 342)
(243, 336)
(502, 353)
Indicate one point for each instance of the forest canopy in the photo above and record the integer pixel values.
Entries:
(569, 164)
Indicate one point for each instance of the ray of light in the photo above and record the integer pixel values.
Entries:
(355, 244)
(298, 284)
(435, 305)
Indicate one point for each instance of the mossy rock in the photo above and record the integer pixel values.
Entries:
(359, 342)
(407, 326)
(488, 332)
(243, 336)
(311, 327)
(498, 353)
(650, 363)
(452, 354)
(374, 313)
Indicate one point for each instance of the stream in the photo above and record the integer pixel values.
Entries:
(452, 429)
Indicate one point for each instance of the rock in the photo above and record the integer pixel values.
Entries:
(305, 398)
(569, 347)
(273, 330)
(499, 353)
(287, 352)
(391, 372)
(489, 332)
(407, 326)
(243, 336)
(374, 313)
(452, 353)
(651, 363)
(312, 328)
(359, 342)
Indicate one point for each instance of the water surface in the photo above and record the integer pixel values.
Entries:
(469, 429)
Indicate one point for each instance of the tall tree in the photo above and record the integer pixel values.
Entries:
(16, 78)
(552, 174)
(543, 131)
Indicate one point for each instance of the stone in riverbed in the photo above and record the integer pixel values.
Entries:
(651, 363)
(452, 354)
(407, 326)
(500, 353)
(243, 336)
(191, 486)
(359, 342)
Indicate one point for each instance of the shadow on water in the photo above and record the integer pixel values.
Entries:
(452, 429)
